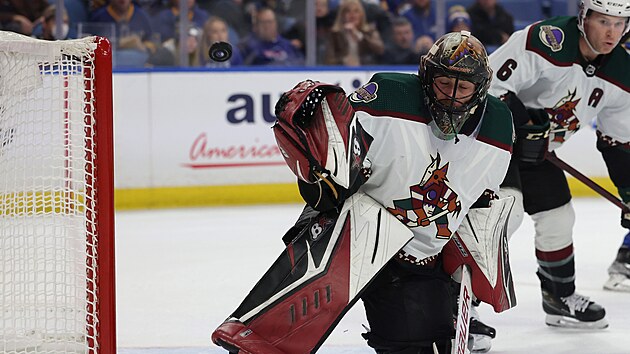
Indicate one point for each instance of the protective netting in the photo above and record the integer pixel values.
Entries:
(48, 230)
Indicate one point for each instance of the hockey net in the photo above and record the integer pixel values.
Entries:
(56, 196)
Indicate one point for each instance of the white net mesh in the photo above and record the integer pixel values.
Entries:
(48, 240)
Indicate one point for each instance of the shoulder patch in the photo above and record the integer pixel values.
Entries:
(365, 93)
(552, 37)
(555, 39)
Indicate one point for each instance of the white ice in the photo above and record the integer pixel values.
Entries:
(181, 272)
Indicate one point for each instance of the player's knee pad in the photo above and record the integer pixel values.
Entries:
(554, 227)
(518, 211)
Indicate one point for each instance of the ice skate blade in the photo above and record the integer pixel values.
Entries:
(481, 343)
(618, 282)
(569, 322)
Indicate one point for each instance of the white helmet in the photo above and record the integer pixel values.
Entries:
(619, 8)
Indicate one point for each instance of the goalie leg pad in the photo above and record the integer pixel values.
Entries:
(299, 300)
(481, 243)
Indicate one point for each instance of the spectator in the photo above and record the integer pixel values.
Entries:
(133, 26)
(216, 30)
(422, 17)
(233, 13)
(290, 18)
(423, 44)
(21, 15)
(49, 24)
(491, 23)
(265, 46)
(458, 19)
(132, 31)
(166, 22)
(395, 7)
(378, 17)
(168, 54)
(401, 50)
(352, 41)
(325, 19)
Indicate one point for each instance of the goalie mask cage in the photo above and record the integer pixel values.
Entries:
(56, 196)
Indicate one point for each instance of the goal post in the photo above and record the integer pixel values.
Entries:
(57, 274)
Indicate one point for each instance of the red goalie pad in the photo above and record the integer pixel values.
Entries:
(320, 275)
(318, 133)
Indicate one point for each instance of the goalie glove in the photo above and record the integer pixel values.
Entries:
(320, 137)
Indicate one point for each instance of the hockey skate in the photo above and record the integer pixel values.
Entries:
(619, 272)
(481, 333)
(574, 311)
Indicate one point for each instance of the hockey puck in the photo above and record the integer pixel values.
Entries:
(220, 51)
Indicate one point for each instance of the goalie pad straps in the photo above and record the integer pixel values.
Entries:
(319, 135)
(321, 274)
(481, 243)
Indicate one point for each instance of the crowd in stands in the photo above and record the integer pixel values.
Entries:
(146, 33)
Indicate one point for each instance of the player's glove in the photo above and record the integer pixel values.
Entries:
(532, 140)
(532, 130)
(625, 217)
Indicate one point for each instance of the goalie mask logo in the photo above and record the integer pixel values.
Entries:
(430, 202)
(562, 117)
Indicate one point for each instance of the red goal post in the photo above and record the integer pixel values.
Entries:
(57, 280)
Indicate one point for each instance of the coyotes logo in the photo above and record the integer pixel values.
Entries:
(431, 201)
(563, 118)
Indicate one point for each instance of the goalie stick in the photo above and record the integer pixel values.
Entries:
(463, 313)
(551, 157)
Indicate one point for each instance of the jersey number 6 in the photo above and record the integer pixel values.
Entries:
(506, 69)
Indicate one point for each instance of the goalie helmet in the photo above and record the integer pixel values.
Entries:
(461, 56)
(619, 8)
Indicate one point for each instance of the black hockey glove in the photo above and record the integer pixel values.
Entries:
(625, 218)
(520, 116)
(532, 140)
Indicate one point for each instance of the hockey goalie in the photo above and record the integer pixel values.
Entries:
(389, 173)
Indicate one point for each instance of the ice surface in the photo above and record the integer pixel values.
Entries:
(181, 272)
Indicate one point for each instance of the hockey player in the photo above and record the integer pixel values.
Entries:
(419, 148)
(556, 76)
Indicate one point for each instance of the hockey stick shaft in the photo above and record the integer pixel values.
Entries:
(551, 157)
(463, 313)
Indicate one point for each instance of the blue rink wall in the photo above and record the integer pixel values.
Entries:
(200, 137)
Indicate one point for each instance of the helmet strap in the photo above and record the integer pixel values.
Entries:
(589, 43)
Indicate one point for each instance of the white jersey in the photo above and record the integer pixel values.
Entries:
(542, 65)
(428, 183)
